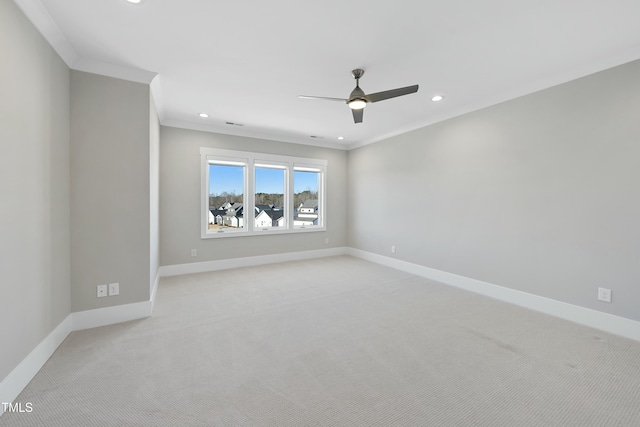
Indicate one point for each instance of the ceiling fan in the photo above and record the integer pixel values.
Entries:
(358, 99)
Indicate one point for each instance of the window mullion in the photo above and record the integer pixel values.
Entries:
(290, 207)
(287, 197)
(250, 191)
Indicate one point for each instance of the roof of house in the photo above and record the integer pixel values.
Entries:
(274, 214)
(264, 207)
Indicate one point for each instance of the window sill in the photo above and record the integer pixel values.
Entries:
(260, 232)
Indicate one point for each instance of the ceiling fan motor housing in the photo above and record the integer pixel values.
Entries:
(357, 94)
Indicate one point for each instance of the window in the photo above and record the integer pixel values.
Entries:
(306, 182)
(246, 194)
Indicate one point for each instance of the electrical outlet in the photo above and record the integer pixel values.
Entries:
(326, 240)
(102, 291)
(604, 294)
(393, 249)
(194, 252)
(114, 289)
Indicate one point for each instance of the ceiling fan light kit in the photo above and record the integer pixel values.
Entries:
(358, 99)
(357, 104)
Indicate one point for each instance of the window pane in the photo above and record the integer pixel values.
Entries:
(226, 197)
(306, 198)
(269, 198)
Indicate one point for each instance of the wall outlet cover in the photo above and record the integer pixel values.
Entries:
(102, 291)
(604, 294)
(114, 289)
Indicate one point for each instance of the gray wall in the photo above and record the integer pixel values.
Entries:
(539, 194)
(110, 187)
(34, 188)
(180, 199)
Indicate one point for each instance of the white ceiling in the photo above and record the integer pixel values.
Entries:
(247, 61)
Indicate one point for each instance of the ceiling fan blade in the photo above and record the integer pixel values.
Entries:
(357, 115)
(381, 96)
(322, 98)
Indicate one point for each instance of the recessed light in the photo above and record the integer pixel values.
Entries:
(437, 98)
(341, 138)
(134, 1)
(203, 115)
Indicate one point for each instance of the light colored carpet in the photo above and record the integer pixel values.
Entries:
(334, 342)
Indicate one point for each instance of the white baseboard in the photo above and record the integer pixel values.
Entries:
(202, 267)
(18, 379)
(111, 315)
(596, 319)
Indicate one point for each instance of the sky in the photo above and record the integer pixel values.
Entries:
(271, 181)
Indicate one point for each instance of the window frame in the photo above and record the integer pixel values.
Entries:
(251, 160)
